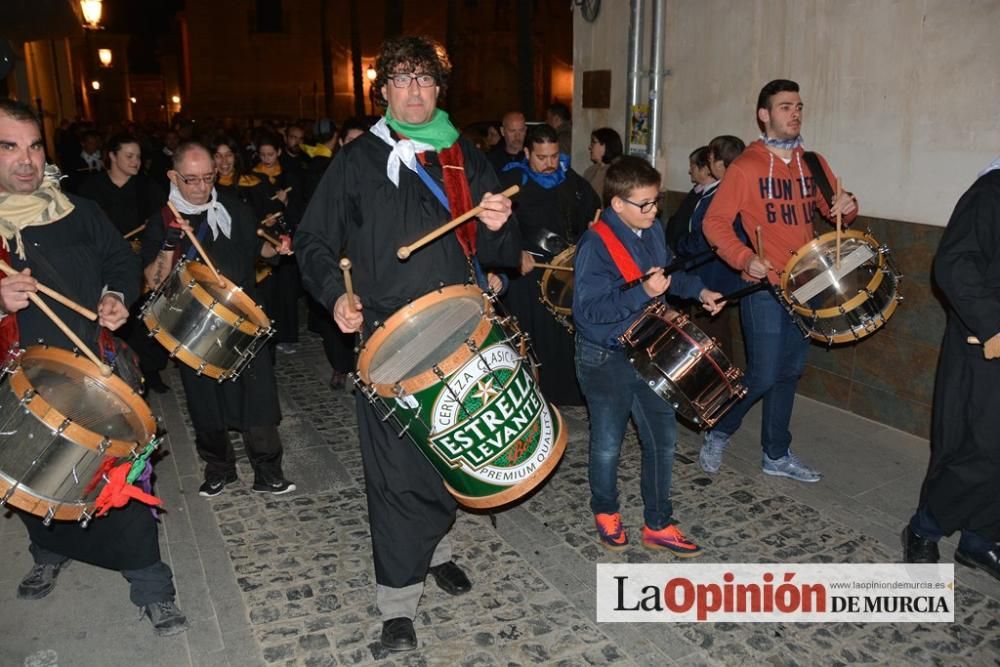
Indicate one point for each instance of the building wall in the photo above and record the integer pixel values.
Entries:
(901, 98)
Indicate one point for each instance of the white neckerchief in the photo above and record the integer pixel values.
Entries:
(218, 217)
(93, 160)
(403, 152)
(992, 165)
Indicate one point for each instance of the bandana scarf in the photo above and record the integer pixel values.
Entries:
(218, 217)
(45, 205)
(271, 172)
(545, 181)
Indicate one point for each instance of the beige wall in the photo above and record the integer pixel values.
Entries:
(901, 96)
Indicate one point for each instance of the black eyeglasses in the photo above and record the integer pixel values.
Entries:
(644, 207)
(403, 80)
(190, 180)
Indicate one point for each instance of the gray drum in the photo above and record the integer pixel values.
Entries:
(685, 367)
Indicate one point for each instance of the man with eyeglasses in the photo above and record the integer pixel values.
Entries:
(772, 189)
(405, 177)
(554, 208)
(226, 229)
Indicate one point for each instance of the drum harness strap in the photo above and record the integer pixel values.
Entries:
(619, 254)
(819, 175)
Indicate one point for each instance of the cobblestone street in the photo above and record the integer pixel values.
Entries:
(288, 580)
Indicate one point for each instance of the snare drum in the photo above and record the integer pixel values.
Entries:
(846, 304)
(61, 424)
(682, 365)
(457, 380)
(215, 329)
(557, 288)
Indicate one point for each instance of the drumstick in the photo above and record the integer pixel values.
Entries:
(554, 267)
(48, 291)
(677, 264)
(760, 243)
(136, 231)
(972, 340)
(270, 239)
(197, 246)
(270, 219)
(840, 189)
(345, 266)
(407, 250)
(286, 191)
(597, 216)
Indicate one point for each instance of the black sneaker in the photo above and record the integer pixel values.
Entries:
(274, 488)
(213, 487)
(166, 618)
(40, 581)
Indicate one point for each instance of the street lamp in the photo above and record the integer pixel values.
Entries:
(105, 56)
(91, 13)
(176, 99)
(95, 84)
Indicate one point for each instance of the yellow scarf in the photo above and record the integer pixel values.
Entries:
(246, 181)
(44, 206)
(272, 173)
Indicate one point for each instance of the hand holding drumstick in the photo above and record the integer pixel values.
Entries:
(347, 310)
(758, 266)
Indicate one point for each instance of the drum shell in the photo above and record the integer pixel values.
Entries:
(207, 335)
(556, 288)
(458, 434)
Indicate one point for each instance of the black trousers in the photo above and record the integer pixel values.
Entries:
(337, 346)
(263, 447)
(409, 509)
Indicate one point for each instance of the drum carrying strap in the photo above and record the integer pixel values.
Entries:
(819, 175)
(619, 254)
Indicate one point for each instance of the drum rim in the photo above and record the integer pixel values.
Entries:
(547, 275)
(54, 418)
(521, 489)
(851, 303)
(29, 502)
(178, 350)
(255, 318)
(448, 365)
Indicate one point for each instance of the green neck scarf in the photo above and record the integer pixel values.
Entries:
(437, 132)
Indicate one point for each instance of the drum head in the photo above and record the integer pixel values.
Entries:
(72, 386)
(812, 280)
(426, 337)
(557, 286)
(228, 295)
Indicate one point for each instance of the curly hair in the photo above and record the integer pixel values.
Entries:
(407, 54)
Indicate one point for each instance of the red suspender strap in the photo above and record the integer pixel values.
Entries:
(9, 334)
(621, 257)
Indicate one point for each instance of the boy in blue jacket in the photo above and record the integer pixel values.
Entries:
(627, 241)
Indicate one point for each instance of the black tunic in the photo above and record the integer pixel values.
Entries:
(127, 206)
(252, 399)
(355, 205)
(565, 211)
(961, 485)
(78, 256)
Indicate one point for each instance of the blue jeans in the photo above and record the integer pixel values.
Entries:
(613, 391)
(926, 526)
(776, 356)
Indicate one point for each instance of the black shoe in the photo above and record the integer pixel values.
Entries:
(213, 487)
(398, 635)
(451, 578)
(917, 549)
(156, 383)
(987, 561)
(337, 380)
(166, 618)
(40, 581)
(274, 488)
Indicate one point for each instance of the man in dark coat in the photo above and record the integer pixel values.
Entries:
(960, 490)
(67, 243)
(226, 229)
(554, 208)
(388, 187)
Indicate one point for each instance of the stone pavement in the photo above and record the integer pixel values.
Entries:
(288, 580)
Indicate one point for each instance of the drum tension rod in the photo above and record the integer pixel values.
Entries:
(85, 518)
(50, 514)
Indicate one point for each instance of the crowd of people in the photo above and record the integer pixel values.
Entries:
(371, 185)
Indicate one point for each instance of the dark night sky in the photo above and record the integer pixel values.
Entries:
(146, 21)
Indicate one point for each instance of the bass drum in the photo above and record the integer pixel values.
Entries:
(458, 381)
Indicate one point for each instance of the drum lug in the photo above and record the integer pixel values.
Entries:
(7, 495)
(201, 368)
(13, 359)
(103, 447)
(154, 331)
(389, 414)
(85, 518)
(173, 353)
(28, 397)
(50, 514)
(471, 344)
(62, 427)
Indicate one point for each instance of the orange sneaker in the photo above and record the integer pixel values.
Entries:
(611, 532)
(670, 538)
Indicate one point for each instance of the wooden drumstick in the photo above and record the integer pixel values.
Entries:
(286, 191)
(135, 231)
(345, 266)
(407, 250)
(840, 188)
(197, 246)
(270, 239)
(48, 291)
(597, 216)
(554, 267)
(760, 243)
(270, 219)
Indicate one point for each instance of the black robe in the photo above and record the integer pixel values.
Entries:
(964, 473)
(252, 399)
(356, 206)
(127, 206)
(565, 211)
(78, 256)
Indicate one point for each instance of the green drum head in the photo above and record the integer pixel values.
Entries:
(425, 339)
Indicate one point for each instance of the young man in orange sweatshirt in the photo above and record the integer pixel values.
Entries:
(771, 188)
